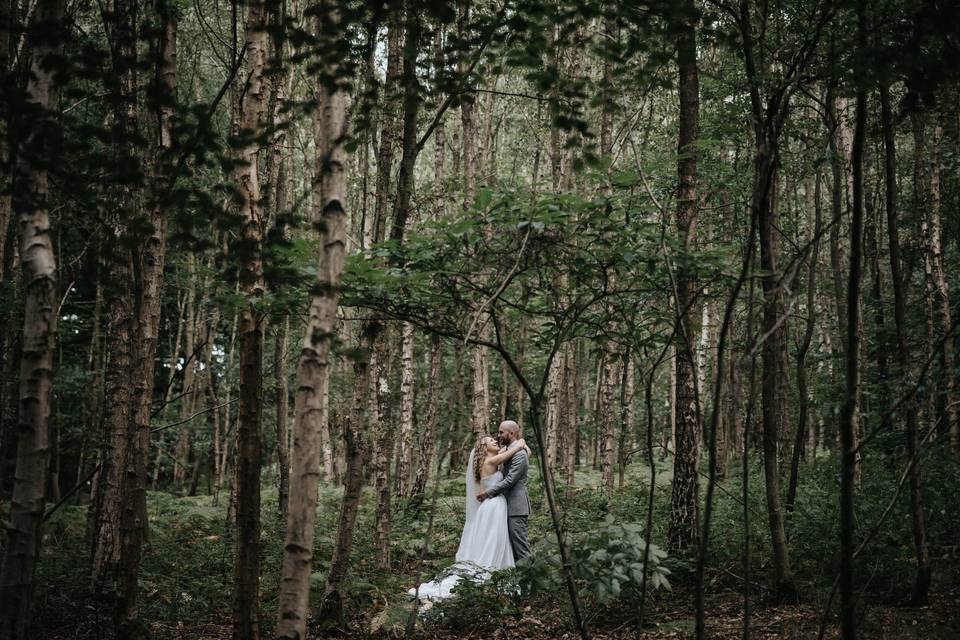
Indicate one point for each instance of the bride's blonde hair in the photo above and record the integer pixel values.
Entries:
(479, 456)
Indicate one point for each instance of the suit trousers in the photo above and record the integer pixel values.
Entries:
(517, 529)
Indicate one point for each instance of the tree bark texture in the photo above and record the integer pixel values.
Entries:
(947, 411)
(688, 429)
(283, 409)
(405, 462)
(311, 404)
(253, 112)
(117, 271)
(40, 292)
(149, 288)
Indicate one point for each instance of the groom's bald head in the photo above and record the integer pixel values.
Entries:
(509, 431)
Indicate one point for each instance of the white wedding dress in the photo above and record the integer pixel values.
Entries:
(484, 543)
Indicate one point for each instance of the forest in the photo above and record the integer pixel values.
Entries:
(309, 306)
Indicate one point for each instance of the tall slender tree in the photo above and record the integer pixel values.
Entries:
(850, 413)
(247, 178)
(148, 288)
(684, 517)
(312, 401)
(117, 271)
(36, 122)
(921, 583)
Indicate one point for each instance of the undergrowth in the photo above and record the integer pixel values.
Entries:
(187, 568)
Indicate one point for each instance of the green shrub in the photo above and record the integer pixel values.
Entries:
(608, 563)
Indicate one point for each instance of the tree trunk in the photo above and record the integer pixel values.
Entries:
(921, 194)
(226, 439)
(684, 510)
(118, 277)
(283, 409)
(850, 413)
(803, 421)
(836, 210)
(405, 462)
(426, 450)
(439, 137)
(6, 31)
(773, 357)
(275, 202)
(877, 302)
(921, 584)
(627, 384)
(311, 404)
(606, 414)
(671, 436)
(246, 585)
(553, 408)
(149, 286)
(411, 109)
(480, 395)
(383, 431)
(334, 594)
(181, 455)
(39, 269)
(947, 412)
(802, 389)
(168, 390)
(381, 428)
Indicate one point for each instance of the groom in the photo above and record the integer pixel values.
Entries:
(514, 489)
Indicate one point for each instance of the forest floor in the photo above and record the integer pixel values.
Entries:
(188, 566)
(673, 617)
(669, 618)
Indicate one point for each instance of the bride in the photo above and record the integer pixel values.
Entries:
(484, 543)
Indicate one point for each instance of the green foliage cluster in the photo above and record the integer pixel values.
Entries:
(609, 561)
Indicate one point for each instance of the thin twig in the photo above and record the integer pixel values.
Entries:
(503, 285)
(185, 420)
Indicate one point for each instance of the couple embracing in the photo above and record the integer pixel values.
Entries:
(497, 506)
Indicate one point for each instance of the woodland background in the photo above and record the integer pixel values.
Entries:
(270, 268)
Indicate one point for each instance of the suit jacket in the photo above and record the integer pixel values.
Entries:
(514, 485)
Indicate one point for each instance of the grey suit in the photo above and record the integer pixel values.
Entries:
(514, 488)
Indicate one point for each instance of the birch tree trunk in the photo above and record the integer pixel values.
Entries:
(283, 408)
(39, 270)
(688, 430)
(574, 380)
(627, 386)
(253, 107)
(311, 404)
(606, 413)
(406, 413)
(947, 411)
(400, 66)
(378, 392)
(553, 408)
